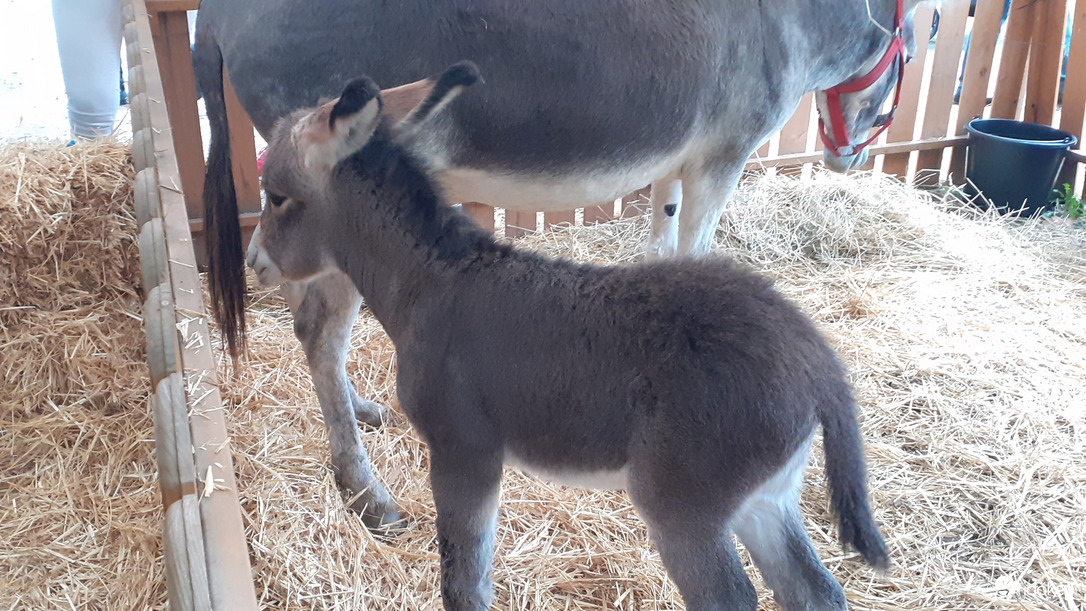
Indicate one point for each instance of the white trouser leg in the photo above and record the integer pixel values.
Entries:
(89, 42)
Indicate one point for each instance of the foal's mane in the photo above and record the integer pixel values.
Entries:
(397, 181)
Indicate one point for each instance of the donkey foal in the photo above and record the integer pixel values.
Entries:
(690, 383)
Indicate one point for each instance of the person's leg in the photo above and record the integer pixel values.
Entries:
(89, 42)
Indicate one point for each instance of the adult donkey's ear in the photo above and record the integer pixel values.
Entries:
(410, 106)
(335, 130)
(908, 29)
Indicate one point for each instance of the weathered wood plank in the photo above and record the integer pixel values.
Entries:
(904, 125)
(977, 76)
(1045, 60)
(483, 214)
(1074, 89)
(226, 555)
(1012, 64)
(944, 80)
(565, 217)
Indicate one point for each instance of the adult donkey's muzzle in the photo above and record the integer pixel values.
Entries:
(844, 163)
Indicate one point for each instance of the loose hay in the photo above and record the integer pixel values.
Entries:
(79, 505)
(963, 334)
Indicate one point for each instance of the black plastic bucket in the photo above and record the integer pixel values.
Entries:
(1014, 164)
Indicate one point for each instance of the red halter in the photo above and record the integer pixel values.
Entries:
(896, 50)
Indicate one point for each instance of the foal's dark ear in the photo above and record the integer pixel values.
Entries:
(358, 93)
(442, 90)
(341, 127)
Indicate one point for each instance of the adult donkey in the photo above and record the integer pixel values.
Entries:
(690, 383)
(585, 102)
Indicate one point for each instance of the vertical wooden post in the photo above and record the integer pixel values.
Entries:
(179, 87)
(944, 79)
(1012, 65)
(977, 76)
(518, 223)
(1045, 60)
(1074, 90)
(904, 124)
(761, 153)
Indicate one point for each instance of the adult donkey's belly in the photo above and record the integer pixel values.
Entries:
(575, 90)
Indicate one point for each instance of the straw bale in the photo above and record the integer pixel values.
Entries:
(962, 331)
(79, 505)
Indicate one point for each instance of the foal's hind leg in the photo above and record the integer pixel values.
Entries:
(324, 312)
(466, 486)
(696, 547)
(771, 527)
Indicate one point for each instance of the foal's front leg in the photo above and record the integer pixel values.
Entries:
(466, 486)
(324, 313)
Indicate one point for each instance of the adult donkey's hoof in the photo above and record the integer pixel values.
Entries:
(368, 412)
(377, 509)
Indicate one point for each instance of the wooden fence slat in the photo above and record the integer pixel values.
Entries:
(977, 76)
(600, 213)
(1074, 89)
(891, 148)
(565, 217)
(944, 80)
(518, 223)
(1012, 64)
(793, 136)
(636, 203)
(482, 214)
(904, 125)
(1045, 60)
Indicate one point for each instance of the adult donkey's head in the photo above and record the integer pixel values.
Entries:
(849, 111)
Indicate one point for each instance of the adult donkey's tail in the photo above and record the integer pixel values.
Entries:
(847, 475)
(225, 259)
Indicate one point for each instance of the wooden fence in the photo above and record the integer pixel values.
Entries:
(206, 558)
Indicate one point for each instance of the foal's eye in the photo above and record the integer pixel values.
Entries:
(276, 200)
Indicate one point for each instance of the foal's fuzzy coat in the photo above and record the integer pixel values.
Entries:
(692, 384)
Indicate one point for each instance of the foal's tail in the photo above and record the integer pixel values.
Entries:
(847, 476)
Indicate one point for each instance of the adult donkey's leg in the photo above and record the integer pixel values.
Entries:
(706, 191)
(324, 313)
(770, 525)
(666, 200)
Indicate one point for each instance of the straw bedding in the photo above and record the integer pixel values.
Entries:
(962, 331)
(963, 334)
(79, 504)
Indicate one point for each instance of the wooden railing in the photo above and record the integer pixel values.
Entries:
(206, 558)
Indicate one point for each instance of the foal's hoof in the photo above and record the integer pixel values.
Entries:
(368, 412)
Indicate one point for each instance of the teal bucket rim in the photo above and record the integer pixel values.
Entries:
(1066, 141)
